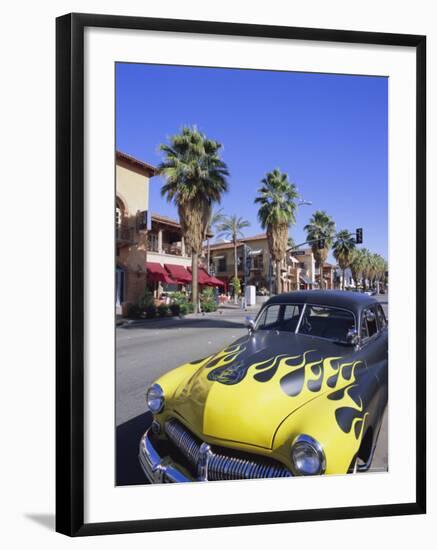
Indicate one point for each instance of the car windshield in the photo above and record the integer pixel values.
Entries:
(318, 321)
(327, 322)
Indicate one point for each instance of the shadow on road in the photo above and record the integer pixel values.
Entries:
(128, 470)
(185, 323)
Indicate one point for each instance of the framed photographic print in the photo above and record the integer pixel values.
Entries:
(240, 274)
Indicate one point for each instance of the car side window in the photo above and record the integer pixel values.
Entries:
(369, 325)
(290, 311)
(291, 315)
(382, 321)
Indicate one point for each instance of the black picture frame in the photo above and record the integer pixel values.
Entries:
(70, 273)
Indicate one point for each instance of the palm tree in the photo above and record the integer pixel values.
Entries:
(356, 265)
(367, 266)
(385, 277)
(320, 226)
(290, 243)
(278, 200)
(379, 269)
(215, 219)
(231, 227)
(195, 180)
(343, 248)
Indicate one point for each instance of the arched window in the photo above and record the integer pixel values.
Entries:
(120, 213)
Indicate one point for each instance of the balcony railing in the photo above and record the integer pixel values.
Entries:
(167, 248)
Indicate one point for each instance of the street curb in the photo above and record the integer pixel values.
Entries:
(176, 319)
(165, 320)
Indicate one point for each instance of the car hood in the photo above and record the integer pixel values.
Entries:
(244, 392)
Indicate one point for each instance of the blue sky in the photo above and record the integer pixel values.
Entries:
(328, 132)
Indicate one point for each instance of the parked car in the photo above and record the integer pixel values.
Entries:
(304, 393)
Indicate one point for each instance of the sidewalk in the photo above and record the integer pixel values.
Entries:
(223, 310)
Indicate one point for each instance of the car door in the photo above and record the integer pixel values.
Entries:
(382, 371)
(374, 351)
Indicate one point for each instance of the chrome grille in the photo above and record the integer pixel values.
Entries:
(222, 466)
(184, 441)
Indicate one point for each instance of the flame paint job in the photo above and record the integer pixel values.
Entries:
(261, 392)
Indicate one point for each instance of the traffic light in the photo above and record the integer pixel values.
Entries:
(359, 236)
(321, 244)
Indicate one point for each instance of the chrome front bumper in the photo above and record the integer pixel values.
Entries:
(157, 468)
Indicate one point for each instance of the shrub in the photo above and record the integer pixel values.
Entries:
(208, 294)
(163, 310)
(150, 311)
(146, 299)
(190, 307)
(237, 285)
(134, 312)
(209, 306)
(175, 309)
(179, 298)
(183, 309)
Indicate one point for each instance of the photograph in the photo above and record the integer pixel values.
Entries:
(251, 274)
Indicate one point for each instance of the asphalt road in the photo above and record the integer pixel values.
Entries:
(148, 349)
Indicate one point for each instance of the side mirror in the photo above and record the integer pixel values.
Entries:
(250, 324)
(352, 337)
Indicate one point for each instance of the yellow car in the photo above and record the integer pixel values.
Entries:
(303, 393)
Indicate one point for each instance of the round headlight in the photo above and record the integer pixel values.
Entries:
(307, 456)
(155, 398)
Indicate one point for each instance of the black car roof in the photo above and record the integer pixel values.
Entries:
(355, 301)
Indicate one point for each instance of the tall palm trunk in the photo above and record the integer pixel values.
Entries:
(278, 277)
(208, 255)
(321, 281)
(342, 280)
(235, 271)
(194, 282)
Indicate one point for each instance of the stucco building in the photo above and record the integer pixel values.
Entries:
(298, 270)
(131, 219)
(169, 259)
(259, 269)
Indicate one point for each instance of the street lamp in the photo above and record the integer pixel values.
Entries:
(303, 202)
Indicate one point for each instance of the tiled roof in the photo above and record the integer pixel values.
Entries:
(225, 246)
(258, 237)
(144, 167)
(221, 246)
(164, 219)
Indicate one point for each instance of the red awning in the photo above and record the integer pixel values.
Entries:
(179, 273)
(216, 282)
(205, 279)
(155, 272)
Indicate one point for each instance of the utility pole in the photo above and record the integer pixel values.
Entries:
(246, 263)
